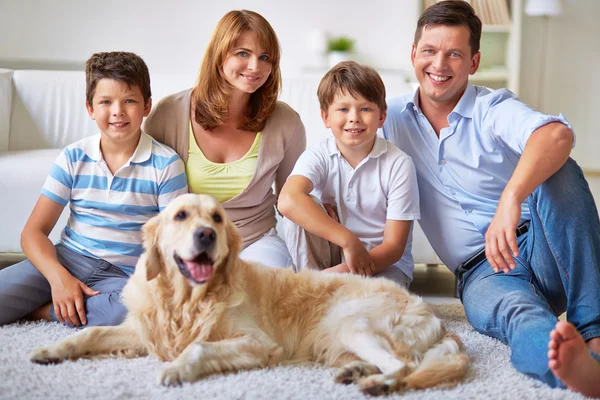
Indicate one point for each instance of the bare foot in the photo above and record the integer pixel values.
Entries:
(41, 313)
(571, 362)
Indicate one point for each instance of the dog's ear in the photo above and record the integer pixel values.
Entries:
(153, 260)
(233, 240)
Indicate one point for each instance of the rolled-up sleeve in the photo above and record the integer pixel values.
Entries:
(509, 120)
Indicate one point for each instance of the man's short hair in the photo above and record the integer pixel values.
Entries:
(451, 13)
(354, 79)
(118, 65)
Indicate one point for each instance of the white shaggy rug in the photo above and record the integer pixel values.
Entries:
(491, 376)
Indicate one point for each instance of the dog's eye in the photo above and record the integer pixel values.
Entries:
(181, 215)
(217, 218)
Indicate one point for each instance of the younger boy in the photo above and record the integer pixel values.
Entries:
(371, 183)
(115, 181)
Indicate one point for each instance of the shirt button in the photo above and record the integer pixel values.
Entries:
(415, 108)
(452, 191)
(443, 162)
(470, 210)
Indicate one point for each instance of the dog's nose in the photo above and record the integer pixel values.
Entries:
(205, 237)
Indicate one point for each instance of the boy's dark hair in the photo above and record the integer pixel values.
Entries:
(354, 79)
(452, 13)
(118, 65)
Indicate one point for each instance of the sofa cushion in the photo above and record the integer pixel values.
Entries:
(48, 110)
(5, 105)
(22, 175)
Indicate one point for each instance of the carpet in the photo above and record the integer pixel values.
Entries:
(491, 375)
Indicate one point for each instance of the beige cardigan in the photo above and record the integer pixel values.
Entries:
(283, 140)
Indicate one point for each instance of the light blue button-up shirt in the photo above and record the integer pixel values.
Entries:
(462, 174)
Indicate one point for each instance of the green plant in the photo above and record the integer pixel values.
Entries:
(341, 43)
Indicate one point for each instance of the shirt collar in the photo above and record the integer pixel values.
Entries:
(142, 152)
(380, 147)
(464, 107)
(92, 147)
(414, 104)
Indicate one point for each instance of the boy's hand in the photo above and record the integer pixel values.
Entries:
(358, 259)
(67, 296)
(331, 211)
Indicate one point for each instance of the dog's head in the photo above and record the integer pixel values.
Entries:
(192, 236)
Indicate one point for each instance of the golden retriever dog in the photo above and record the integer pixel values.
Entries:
(192, 301)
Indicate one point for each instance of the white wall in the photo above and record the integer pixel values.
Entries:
(559, 72)
(172, 35)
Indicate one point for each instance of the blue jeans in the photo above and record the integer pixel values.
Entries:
(558, 270)
(23, 289)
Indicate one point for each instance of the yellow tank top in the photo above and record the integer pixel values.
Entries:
(222, 181)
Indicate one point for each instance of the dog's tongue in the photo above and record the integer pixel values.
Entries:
(200, 272)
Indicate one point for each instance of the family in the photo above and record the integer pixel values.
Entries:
(489, 179)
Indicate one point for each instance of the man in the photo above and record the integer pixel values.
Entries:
(503, 205)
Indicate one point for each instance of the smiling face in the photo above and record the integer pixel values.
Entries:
(443, 62)
(354, 122)
(118, 110)
(247, 65)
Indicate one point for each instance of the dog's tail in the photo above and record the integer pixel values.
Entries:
(443, 365)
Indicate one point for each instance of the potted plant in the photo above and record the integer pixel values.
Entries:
(339, 49)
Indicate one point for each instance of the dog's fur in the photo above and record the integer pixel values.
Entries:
(244, 315)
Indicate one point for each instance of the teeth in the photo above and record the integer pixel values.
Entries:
(119, 124)
(354, 130)
(439, 78)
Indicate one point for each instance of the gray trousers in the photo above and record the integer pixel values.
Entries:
(23, 289)
(314, 252)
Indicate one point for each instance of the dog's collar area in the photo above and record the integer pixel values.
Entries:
(199, 269)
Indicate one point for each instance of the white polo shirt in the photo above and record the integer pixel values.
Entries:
(383, 186)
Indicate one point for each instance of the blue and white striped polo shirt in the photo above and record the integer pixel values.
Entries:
(107, 212)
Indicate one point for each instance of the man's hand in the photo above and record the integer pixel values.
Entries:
(501, 237)
(358, 259)
(67, 296)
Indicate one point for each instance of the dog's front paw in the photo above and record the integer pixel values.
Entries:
(46, 355)
(175, 375)
(355, 370)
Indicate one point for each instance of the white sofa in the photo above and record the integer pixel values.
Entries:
(43, 111)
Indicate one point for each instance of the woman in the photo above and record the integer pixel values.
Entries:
(235, 138)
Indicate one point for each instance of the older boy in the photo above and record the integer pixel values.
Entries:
(115, 181)
(504, 206)
(370, 182)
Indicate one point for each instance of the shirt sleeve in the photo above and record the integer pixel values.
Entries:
(59, 182)
(508, 120)
(403, 195)
(312, 164)
(173, 182)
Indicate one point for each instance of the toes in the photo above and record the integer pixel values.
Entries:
(566, 330)
(354, 371)
(171, 377)
(377, 385)
(44, 357)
